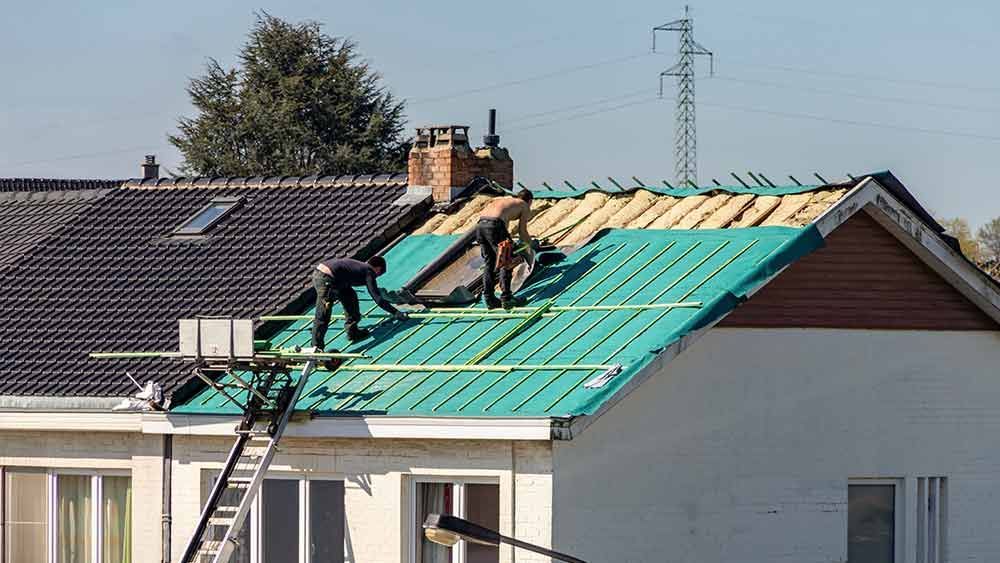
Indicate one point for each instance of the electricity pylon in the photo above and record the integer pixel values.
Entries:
(685, 138)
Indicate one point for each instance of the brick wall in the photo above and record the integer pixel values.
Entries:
(377, 476)
(442, 159)
(139, 454)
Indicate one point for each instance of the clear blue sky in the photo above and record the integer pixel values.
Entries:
(89, 88)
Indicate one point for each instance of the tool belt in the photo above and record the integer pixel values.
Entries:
(505, 255)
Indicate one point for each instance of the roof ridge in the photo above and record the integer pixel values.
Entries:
(56, 184)
(311, 181)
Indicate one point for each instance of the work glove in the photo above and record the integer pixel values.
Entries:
(401, 316)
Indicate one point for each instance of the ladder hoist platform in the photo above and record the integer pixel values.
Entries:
(262, 384)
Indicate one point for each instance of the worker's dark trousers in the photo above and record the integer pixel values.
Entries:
(489, 234)
(327, 293)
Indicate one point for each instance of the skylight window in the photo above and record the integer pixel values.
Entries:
(208, 216)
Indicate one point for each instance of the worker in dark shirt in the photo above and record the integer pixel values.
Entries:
(335, 280)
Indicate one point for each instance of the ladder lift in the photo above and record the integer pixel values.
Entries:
(265, 380)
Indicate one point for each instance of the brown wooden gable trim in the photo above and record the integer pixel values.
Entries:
(864, 278)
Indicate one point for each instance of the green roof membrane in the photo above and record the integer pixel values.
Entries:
(618, 267)
(678, 191)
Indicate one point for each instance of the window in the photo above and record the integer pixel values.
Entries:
(871, 523)
(67, 516)
(292, 520)
(932, 511)
(476, 502)
(208, 216)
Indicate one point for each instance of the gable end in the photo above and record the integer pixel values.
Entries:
(864, 278)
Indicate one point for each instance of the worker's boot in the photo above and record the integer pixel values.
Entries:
(491, 301)
(508, 302)
(354, 333)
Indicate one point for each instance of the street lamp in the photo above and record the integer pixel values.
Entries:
(447, 530)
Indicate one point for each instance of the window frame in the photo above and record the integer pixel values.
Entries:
(52, 504)
(302, 490)
(231, 203)
(898, 511)
(458, 554)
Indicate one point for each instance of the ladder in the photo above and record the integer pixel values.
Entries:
(272, 399)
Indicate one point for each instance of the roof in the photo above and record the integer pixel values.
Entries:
(113, 279)
(27, 219)
(654, 208)
(715, 268)
(55, 184)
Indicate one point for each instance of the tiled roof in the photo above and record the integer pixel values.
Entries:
(113, 279)
(55, 184)
(641, 208)
(715, 268)
(29, 218)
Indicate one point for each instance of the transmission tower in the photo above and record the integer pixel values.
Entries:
(685, 138)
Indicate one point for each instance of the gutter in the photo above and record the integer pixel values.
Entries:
(49, 403)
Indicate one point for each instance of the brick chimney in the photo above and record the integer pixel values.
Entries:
(442, 160)
(150, 169)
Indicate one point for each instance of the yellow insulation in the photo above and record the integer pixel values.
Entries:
(789, 206)
(640, 202)
(543, 224)
(676, 213)
(659, 207)
(596, 221)
(762, 205)
(471, 208)
(431, 224)
(725, 214)
(590, 204)
(702, 212)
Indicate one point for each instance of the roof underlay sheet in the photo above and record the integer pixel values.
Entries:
(618, 267)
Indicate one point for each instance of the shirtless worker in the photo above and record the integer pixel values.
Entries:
(490, 232)
(335, 280)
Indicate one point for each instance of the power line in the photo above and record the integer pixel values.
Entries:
(910, 101)
(873, 77)
(545, 76)
(874, 124)
(564, 109)
(588, 114)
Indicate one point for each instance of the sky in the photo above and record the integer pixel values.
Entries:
(798, 87)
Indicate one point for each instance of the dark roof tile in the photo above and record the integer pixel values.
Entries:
(111, 278)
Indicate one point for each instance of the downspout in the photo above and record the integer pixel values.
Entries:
(165, 519)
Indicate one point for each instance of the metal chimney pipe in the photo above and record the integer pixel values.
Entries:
(492, 139)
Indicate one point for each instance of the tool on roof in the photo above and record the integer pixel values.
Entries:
(262, 384)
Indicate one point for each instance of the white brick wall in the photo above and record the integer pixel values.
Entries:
(136, 453)
(376, 474)
(740, 450)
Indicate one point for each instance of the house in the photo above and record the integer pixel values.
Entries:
(730, 373)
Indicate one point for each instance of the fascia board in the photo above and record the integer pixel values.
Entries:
(363, 427)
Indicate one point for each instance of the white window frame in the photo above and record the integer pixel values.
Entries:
(51, 517)
(458, 553)
(899, 511)
(254, 517)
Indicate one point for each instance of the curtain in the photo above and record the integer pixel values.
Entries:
(432, 498)
(26, 517)
(73, 519)
(116, 512)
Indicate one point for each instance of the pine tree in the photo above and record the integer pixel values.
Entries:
(299, 102)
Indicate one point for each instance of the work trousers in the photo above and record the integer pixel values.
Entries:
(489, 234)
(327, 293)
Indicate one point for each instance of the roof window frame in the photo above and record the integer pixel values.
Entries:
(231, 202)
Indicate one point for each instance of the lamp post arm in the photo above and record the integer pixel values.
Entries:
(541, 550)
